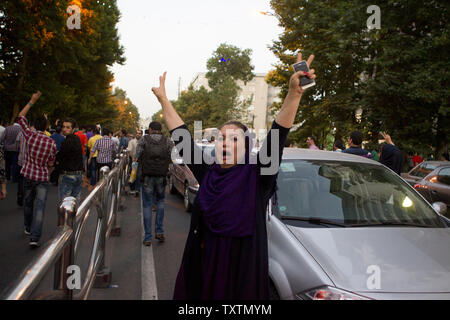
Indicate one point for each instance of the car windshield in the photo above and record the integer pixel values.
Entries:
(348, 193)
(424, 170)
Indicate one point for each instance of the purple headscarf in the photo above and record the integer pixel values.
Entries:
(227, 197)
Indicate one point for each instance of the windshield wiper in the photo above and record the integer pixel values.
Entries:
(313, 220)
(390, 223)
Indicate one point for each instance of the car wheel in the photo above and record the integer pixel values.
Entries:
(187, 202)
(172, 188)
(273, 293)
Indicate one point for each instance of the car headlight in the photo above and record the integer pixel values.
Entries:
(329, 293)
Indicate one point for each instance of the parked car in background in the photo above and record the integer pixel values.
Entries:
(345, 227)
(432, 180)
(181, 179)
(422, 170)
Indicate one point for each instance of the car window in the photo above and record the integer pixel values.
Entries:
(349, 193)
(416, 169)
(444, 176)
(425, 170)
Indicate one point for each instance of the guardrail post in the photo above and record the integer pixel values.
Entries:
(117, 188)
(66, 216)
(103, 276)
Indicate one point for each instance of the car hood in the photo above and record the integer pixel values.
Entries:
(407, 259)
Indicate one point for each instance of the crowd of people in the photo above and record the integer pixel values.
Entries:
(35, 156)
(386, 152)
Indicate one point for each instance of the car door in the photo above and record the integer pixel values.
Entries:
(440, 190)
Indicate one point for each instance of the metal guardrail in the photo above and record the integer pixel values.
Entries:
(63, 248)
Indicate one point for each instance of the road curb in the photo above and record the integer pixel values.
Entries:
(148, 274)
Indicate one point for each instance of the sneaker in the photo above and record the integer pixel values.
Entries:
(34, 243)
(27, 231)
(147, 243)
(160, 237)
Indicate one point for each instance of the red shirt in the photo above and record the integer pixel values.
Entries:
(417, 160)
(40, 150)
(83, 139)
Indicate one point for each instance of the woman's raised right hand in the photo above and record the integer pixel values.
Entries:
(160, 92)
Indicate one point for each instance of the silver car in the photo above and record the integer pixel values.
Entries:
(181, 179)
(345, 227)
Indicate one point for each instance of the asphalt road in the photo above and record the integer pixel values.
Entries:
(123, 253)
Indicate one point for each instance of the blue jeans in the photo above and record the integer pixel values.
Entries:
(34, 206)
(153, 187)
(69, 186)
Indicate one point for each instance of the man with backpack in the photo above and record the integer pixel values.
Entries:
(153, 153)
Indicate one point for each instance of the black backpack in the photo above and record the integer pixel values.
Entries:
(155, 158)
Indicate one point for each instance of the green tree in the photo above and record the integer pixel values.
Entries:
(221, 103)
(407, 90)
(395, 78)
(70, 67)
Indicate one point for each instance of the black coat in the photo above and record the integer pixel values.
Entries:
(247, 274)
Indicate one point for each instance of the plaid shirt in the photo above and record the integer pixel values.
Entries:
(106, 148)
(40, 150)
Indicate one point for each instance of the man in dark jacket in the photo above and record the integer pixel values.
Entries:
(355, 141)
(153, 153)
(70, 163)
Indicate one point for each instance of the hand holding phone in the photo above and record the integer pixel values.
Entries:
(299, 82)
(305, 81)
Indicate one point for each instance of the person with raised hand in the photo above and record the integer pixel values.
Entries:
(226, 253)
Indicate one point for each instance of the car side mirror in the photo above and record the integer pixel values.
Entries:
(440, 208)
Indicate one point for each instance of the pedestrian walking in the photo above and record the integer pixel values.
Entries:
(311, 141)
(8, 139)
(83, 139)
(39, 158)
(355, 141)
(338, 145)
(92, 166)
(123, 142)
(154, 156)
(132, 148)
(106, 148)
(70, 163)
(226, 253)
(20, 162)
(417, 159)
(390, 155)
(58, 137)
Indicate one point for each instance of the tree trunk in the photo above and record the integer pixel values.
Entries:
(19, 87)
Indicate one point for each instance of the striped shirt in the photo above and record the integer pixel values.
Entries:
(40, 150)
(106, 148)
(22, 148)
(9, 137)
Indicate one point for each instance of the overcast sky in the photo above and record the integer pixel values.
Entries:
(178, 36)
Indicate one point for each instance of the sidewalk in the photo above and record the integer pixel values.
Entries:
(123, 256)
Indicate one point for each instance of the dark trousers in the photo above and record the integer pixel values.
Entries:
(93, 171)
(99, 166)
(11, 166)
(20, 188)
